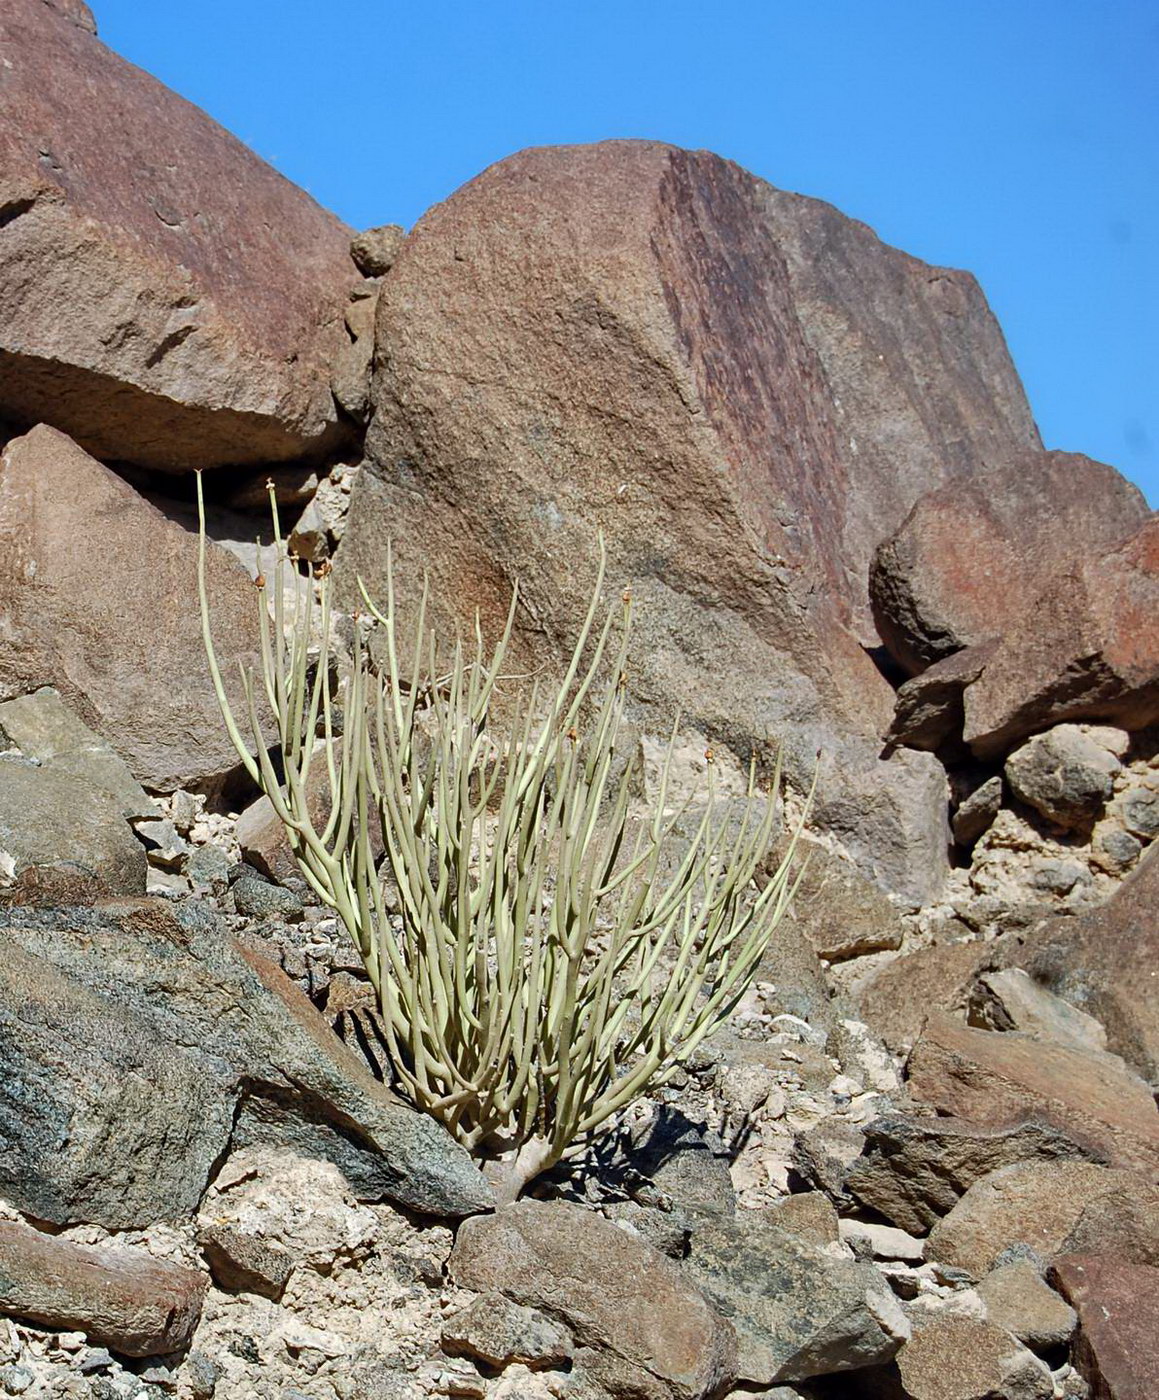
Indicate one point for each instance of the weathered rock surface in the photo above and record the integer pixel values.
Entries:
(798, 1311)
(139, 1034)
(656, 344)
(165, 296)
(1011, 1001)
(1106, 962)
(973, 555)
(1020, 1300)
(1065, 774)
(1052, 1208)
(975, 814)
(960, 1358)
(999, 1078)
(841, 912)
(929, 711)
(915, 1170)
(628, 1307)
(116, 628)
(499, 1333)
(1118, 1308)
(121, 1298)
(1088, 649)
(897, 999)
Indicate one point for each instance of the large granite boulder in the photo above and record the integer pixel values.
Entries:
(973, 555)
(741, 388)
(98, 592)
(138, 1044)
(165, 296)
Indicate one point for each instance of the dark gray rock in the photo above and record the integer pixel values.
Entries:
(976, 813)
(261, 900)
(915, 1170)
(375, 249)
(171, 1029)
(798, 1311)
(243, 1262)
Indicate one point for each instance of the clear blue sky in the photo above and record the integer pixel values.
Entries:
(1016, 138)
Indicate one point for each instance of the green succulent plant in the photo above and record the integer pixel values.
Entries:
(550, 958)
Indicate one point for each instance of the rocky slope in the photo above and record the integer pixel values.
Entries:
(921, 1159)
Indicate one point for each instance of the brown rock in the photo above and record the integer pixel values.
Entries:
(1118, 1308)
(841, 912)
(374, 250)
(973, 555)
(958, 1358)
(1086, 649)
(115, 624)
(1051, 1208)
(617, 1294)
(915, 1170)
(1019, 1299)
(1012, 1001)
(999, 1078)
(167, 298)
(1106, 961)
(120, 1298)
(930, 709)
(655, 344)
(897, 998)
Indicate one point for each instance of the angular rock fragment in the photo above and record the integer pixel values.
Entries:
(1087, 650)
(172, 1032)
(999, 1078)
(1065, 774)
(915, 1170)
(1020, 1300)
(241, 1262)
(1105, 961)
(976, 813)
(1011, 1001)
(121, 1298)
(972, 555)
(959, 1358)
(498, 1332)
(798, 1311)
(165, 296)
(632, 1310)
(897, 999)
(1052, 1208)
(841, 912)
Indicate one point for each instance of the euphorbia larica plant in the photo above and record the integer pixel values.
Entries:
(545, 966)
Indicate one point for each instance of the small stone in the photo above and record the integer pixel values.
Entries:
(202, 1374)
(976, 813)
(375, 249)
(15, 1380)
(1064, 774)
(1115, 850)
(243, 1262)
(1054, 876)
(1139, 812)
(208, 867)
(166, 884)
(869, 1240)
(1017, 1298)
(184, 810)
(499, 1332)
(261, 900)
(96, 1359)
(163, 846)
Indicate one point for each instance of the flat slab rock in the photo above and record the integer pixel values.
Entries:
(915, 1170)
(1118, 1310)
(1000, 1077)
(1050, 1208)
(149, 1043)
(121, 1298)
(962, 1358)
(165, 296)
(632, 1311)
